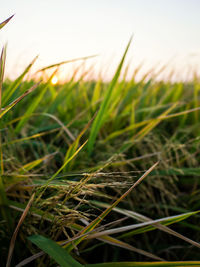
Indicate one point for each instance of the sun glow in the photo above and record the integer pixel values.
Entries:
(54, 80)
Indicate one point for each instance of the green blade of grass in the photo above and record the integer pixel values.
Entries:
(11, 105)
(97, 92)
(34, 104)
(104, 106)
(29, 166)
(73, 147)
(129, 97)
(149, 122)
(59, 254)
(13, 87)
(105, 239)
(43, 188)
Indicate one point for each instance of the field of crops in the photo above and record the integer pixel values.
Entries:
(99, 174)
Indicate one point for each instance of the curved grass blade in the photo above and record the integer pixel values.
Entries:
(59, 254)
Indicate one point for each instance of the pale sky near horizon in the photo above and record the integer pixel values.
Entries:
(165, 32)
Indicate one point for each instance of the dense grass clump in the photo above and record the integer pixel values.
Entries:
(71, 152)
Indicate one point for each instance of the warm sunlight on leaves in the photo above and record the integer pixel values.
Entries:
(96, 121)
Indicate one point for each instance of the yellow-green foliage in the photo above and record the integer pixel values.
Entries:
(76, 147)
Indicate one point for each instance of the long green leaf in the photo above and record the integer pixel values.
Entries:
(59, 254)
(104, 106)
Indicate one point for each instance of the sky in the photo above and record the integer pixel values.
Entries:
(164, 33)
